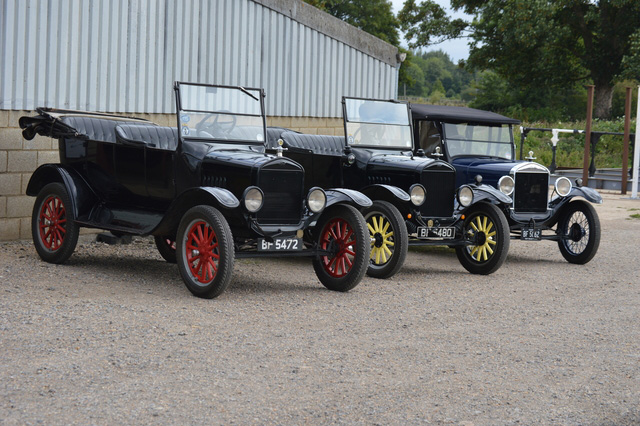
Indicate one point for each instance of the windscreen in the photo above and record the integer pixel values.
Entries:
(220, 113)
(382, 124)
(479, 141)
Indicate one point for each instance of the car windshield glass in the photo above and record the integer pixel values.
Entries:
(382, 124)
(220, 113)
(467, 139)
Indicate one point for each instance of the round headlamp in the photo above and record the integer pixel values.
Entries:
(316, 200)
(563, 186)
(253, 199)
(465, 196)
(505, 185)
(418, 194)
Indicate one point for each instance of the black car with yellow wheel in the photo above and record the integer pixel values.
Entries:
(206, 190)
(415, 198)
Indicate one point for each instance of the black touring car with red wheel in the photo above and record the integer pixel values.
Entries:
(206, 190)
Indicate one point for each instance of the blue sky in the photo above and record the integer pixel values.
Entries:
(457, 49)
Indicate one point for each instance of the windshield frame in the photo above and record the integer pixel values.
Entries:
(349, 138)
(248, 91)
(446, 139)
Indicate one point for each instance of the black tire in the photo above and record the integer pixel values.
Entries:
(204, 248)
(486, 225)
(53, 226)
(343, 230)
(167, 247)
(389, 239)
(580, 224)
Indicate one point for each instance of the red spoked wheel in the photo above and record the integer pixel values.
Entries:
(337, 236)
(202, 251)
(204, 248)
(343, 233)
(53, 227)
(53, 221)
(166, 247)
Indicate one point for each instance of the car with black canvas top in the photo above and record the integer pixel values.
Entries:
(206, 190)
(480, 145)
(415, 198)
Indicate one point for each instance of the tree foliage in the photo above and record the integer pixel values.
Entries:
(542, 47)
(372, 16)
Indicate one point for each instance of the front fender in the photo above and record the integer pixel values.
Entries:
(389, 193)
(490, 194)
(589, 194)
(80, 193)
(213, 196)
(348, 196)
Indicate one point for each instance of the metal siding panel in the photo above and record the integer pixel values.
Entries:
(50, 76)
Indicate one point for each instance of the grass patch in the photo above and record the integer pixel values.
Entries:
(635, 216)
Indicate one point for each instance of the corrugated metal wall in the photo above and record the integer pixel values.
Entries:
(123, 56)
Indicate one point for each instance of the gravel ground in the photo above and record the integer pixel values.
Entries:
(113, 336)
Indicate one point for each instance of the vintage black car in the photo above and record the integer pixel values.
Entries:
(416, 201)
(206, 190)
(480, 143)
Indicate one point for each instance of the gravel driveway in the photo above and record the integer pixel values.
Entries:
(113, 336)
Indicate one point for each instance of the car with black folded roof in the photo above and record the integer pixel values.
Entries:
(205, 189)
(480, 145)
(415, 198)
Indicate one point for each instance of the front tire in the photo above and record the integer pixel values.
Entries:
(204, 249)
(489, 229)
(389, 239)
(53, 226)
(343, 231)
(579, 229)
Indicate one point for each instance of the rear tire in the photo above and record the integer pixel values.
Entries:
(389, 239)
(204, 248)
(488, 225)
(342, 229)
(167, 247)
(579, 222)
(53, 227)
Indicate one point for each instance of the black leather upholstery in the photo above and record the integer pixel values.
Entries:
(153, 136)
(97, 129)
(319, 144)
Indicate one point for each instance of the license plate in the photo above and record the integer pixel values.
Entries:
(443, 233)
(280, 244)
(531, 234)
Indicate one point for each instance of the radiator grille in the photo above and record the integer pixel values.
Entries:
(531, 191)
(441, 187)
(282, 196)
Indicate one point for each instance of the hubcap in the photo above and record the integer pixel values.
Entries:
(202, 252)
(52, 223)
(338, 237)
(381, 240)
(484, 231)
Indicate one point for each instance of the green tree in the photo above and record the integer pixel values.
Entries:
(539, 46)
(372, 16)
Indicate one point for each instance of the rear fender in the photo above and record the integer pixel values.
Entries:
(80, 193)
(347, 196)
(219, 198)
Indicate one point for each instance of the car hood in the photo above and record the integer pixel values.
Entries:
(491, 169)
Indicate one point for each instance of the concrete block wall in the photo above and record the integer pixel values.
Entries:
(20, 157)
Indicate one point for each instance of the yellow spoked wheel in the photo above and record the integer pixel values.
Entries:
(382, 244)
(389, 239)
(487, 231)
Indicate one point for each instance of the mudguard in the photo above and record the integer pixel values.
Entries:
(349, 196)
(82, 196)
(389, 193)
(589, 194)
(213, 196)
(489, 193)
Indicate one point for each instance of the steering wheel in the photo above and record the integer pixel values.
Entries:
(216, 128)
(371, 132)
